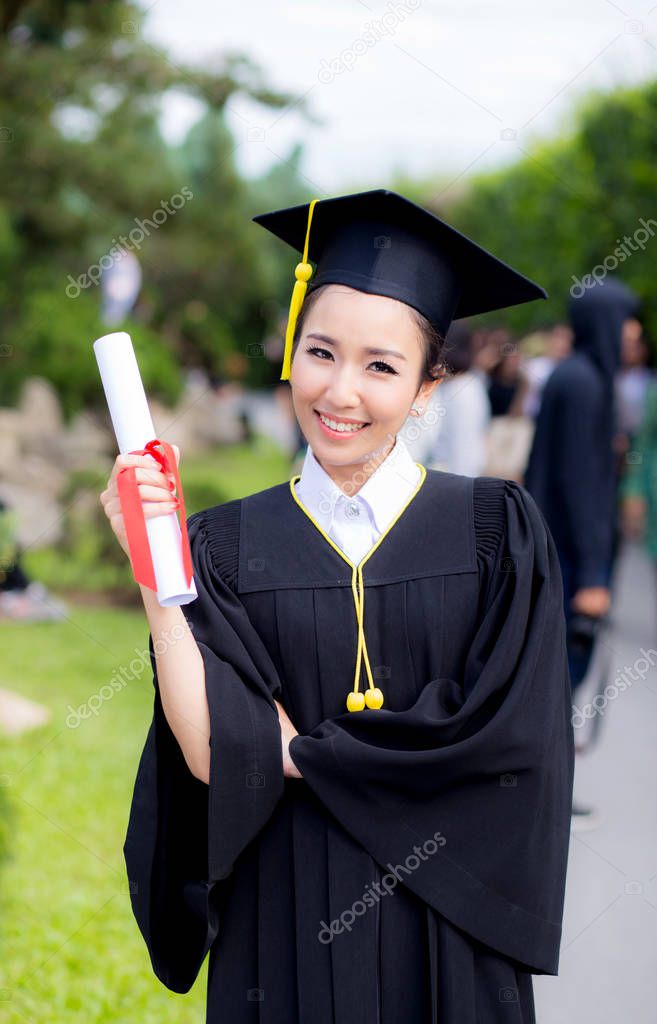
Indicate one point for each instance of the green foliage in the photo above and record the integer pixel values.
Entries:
(52, 337)
(8, 541)
(561, 210)
(203, 490)
(83, 160)
(82, 164)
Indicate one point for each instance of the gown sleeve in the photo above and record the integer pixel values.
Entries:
(184, 835)
(480, 766)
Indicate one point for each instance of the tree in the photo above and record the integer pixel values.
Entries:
(83, 162)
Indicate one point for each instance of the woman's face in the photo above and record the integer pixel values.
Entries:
(357, 362)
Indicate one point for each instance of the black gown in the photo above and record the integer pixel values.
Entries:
(417, 870)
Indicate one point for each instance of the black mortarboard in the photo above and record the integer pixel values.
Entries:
(382, 243)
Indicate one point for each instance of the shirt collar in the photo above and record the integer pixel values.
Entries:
(384, 492)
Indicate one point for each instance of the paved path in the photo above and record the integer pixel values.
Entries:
(608, 967)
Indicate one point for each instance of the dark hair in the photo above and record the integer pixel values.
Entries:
(434, 367)
(459, 349)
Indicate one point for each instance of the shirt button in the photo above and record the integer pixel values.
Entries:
(353, 509)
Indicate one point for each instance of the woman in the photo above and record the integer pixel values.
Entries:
(396, 853)
(461, 445)
(638, 487)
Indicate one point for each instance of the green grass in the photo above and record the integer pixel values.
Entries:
(70, 949)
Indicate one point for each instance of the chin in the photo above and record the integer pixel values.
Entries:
(334, 455)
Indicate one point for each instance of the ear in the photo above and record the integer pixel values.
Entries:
(425, 391)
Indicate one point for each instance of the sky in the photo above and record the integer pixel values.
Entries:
(416, 87)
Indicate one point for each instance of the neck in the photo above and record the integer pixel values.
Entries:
(351, 478)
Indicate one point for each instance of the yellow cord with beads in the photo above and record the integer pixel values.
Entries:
(373, 697)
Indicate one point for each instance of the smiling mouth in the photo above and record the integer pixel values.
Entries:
(340, 426)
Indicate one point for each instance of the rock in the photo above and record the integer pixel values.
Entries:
(87, 443)
(39, 517)
(41, 415)
(41, 475)
(201, 420)
(17, 714)
(10, 433)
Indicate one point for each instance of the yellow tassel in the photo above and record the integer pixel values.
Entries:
(302, 273)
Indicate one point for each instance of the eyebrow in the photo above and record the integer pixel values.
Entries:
(370, 351)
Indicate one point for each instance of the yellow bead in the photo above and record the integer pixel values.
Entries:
(374, 697)
(302, 271)
(355, 701)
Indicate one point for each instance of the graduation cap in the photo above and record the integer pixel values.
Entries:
(381, 243)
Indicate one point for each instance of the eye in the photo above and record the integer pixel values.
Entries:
(314, 348)
(386, 366)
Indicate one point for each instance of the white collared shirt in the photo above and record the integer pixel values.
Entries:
(356, 522)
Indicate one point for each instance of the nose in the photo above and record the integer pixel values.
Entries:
(342, 391)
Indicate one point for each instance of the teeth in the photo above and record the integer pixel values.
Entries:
(341, 427)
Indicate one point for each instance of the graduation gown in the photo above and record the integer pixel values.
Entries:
(417, 870)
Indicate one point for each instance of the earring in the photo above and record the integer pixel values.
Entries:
(417, 409)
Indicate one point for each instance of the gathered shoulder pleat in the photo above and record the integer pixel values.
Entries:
(220, 526)
(489, 514)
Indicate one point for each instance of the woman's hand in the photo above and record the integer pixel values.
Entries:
(288, 732)
(156, 489)
(593, 601)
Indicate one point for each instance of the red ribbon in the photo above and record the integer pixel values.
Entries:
(135, 521)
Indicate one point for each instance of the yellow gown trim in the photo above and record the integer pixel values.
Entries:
(373, 697)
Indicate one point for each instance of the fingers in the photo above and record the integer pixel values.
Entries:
(148, 492)
(157, 480)
(156, 490)
(143, 461)
(118, 526)
(159, 508)
(151, 508)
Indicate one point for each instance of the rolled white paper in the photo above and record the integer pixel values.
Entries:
(133, 427)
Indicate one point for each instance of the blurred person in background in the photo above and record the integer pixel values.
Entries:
(464, 409)
(571, 472)
(638, 489)
(506, 380)
(295, 443)
(632, 383)
(21, 598)
(537, 369)
(632, 386)
(510, 432)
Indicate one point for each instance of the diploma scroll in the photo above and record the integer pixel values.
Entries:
(133, 427)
